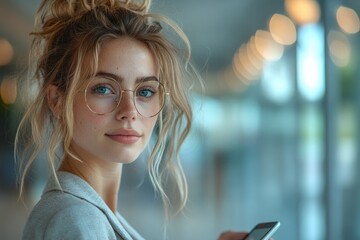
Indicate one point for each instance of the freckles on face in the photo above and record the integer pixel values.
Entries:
(101, 137)
(86, 123)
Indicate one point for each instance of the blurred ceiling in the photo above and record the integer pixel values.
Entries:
(216, 29)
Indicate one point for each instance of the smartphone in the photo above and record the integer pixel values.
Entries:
(262, 231)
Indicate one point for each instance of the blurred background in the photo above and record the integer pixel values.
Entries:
(275, 134)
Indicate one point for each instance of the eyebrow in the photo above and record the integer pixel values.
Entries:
(121, 79)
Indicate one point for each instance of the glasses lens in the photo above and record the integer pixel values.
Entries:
(149, 98)
(102, 94)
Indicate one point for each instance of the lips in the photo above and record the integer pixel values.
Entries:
(124, 136)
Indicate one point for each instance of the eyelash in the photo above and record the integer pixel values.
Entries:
(102, 86)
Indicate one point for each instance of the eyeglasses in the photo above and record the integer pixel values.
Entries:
(103, 95)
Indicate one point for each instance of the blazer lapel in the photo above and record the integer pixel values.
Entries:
(76, 186)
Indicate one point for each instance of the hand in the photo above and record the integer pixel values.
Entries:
(229, 235)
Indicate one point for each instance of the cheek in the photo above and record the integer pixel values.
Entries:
(85, 125)
(150, 124)
(85, 122)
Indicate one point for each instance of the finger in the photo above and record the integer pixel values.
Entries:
(230, 235)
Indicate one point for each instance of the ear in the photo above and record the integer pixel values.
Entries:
(54, 100)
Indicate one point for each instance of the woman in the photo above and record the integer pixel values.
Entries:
(106, 78)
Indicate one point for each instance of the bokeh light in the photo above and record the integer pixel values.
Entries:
(348, 20)
(340, 48)
(303, 11)
(267, 47)
(282, 29)
(8, 90)
(6, 52)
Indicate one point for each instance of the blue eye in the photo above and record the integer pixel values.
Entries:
(102, 90)
(146, 93)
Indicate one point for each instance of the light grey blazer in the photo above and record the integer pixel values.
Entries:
(77, 212)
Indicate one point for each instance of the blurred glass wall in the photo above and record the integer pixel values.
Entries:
(275, 133)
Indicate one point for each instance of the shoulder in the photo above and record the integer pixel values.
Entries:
(61, 215)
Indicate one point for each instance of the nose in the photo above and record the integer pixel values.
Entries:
(126, 108)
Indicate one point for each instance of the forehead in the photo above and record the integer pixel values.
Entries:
(127, 56)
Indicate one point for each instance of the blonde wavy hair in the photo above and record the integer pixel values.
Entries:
(69, 32)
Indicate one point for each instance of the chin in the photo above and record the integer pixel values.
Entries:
(127, 161)
(126, 158)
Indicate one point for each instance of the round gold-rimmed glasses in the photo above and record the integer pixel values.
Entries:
(103, 95)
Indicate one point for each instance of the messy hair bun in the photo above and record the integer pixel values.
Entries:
(62, 9)
(54, 15)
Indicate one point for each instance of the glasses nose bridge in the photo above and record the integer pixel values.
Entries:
(127, 90)
(122, 91)
(132, 95)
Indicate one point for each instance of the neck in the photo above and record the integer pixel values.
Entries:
(104, 178)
